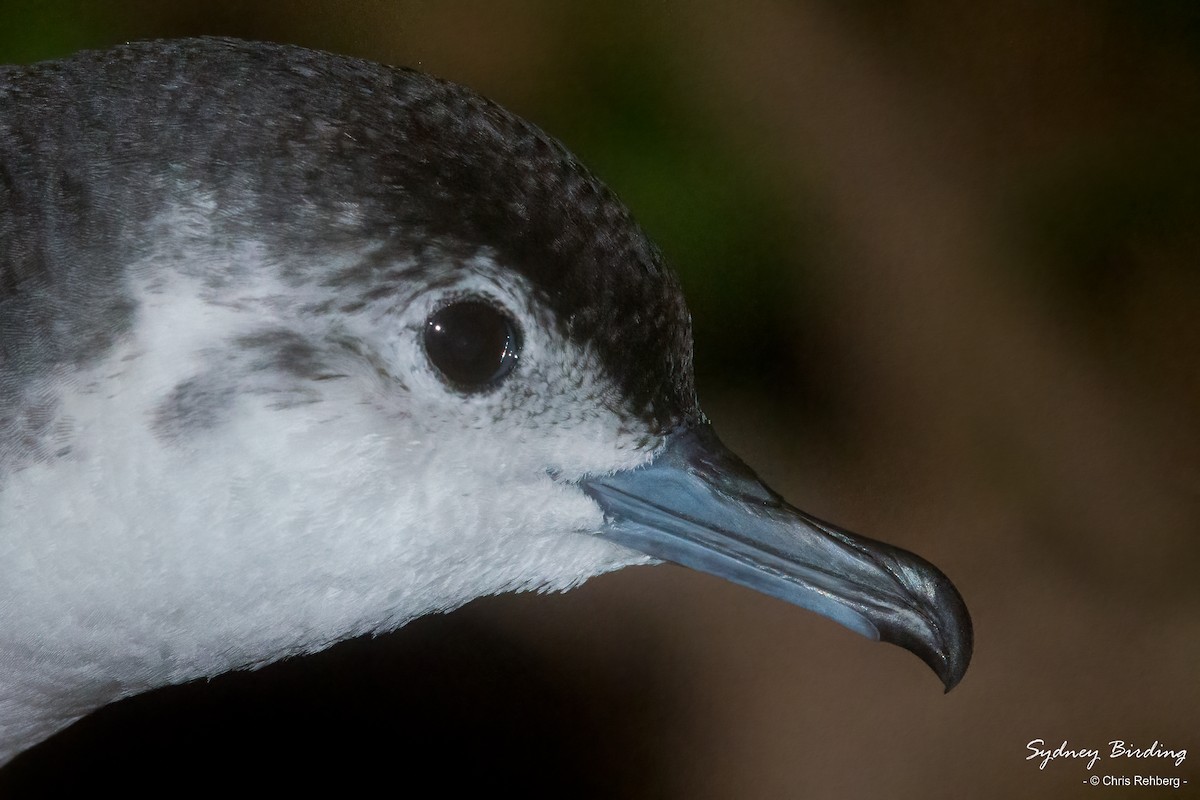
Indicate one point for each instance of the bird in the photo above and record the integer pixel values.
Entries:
(296, 347)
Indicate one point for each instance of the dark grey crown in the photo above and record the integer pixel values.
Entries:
(286, 139)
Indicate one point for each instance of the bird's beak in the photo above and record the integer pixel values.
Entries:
(697, 504)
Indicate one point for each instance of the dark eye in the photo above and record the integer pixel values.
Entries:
(472, 343)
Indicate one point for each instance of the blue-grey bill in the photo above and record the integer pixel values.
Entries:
(697, 504)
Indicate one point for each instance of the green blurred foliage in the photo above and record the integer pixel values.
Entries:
(32, 31)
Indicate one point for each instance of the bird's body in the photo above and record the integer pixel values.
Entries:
(229, 430)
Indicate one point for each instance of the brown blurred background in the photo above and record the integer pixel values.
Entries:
(944, 263)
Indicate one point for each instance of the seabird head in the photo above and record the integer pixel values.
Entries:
(295, 347)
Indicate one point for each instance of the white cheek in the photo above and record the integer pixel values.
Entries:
(281, 530)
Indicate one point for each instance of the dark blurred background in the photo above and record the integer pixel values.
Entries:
(944, 265)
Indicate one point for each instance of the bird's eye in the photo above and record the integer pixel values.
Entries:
(472, 343)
